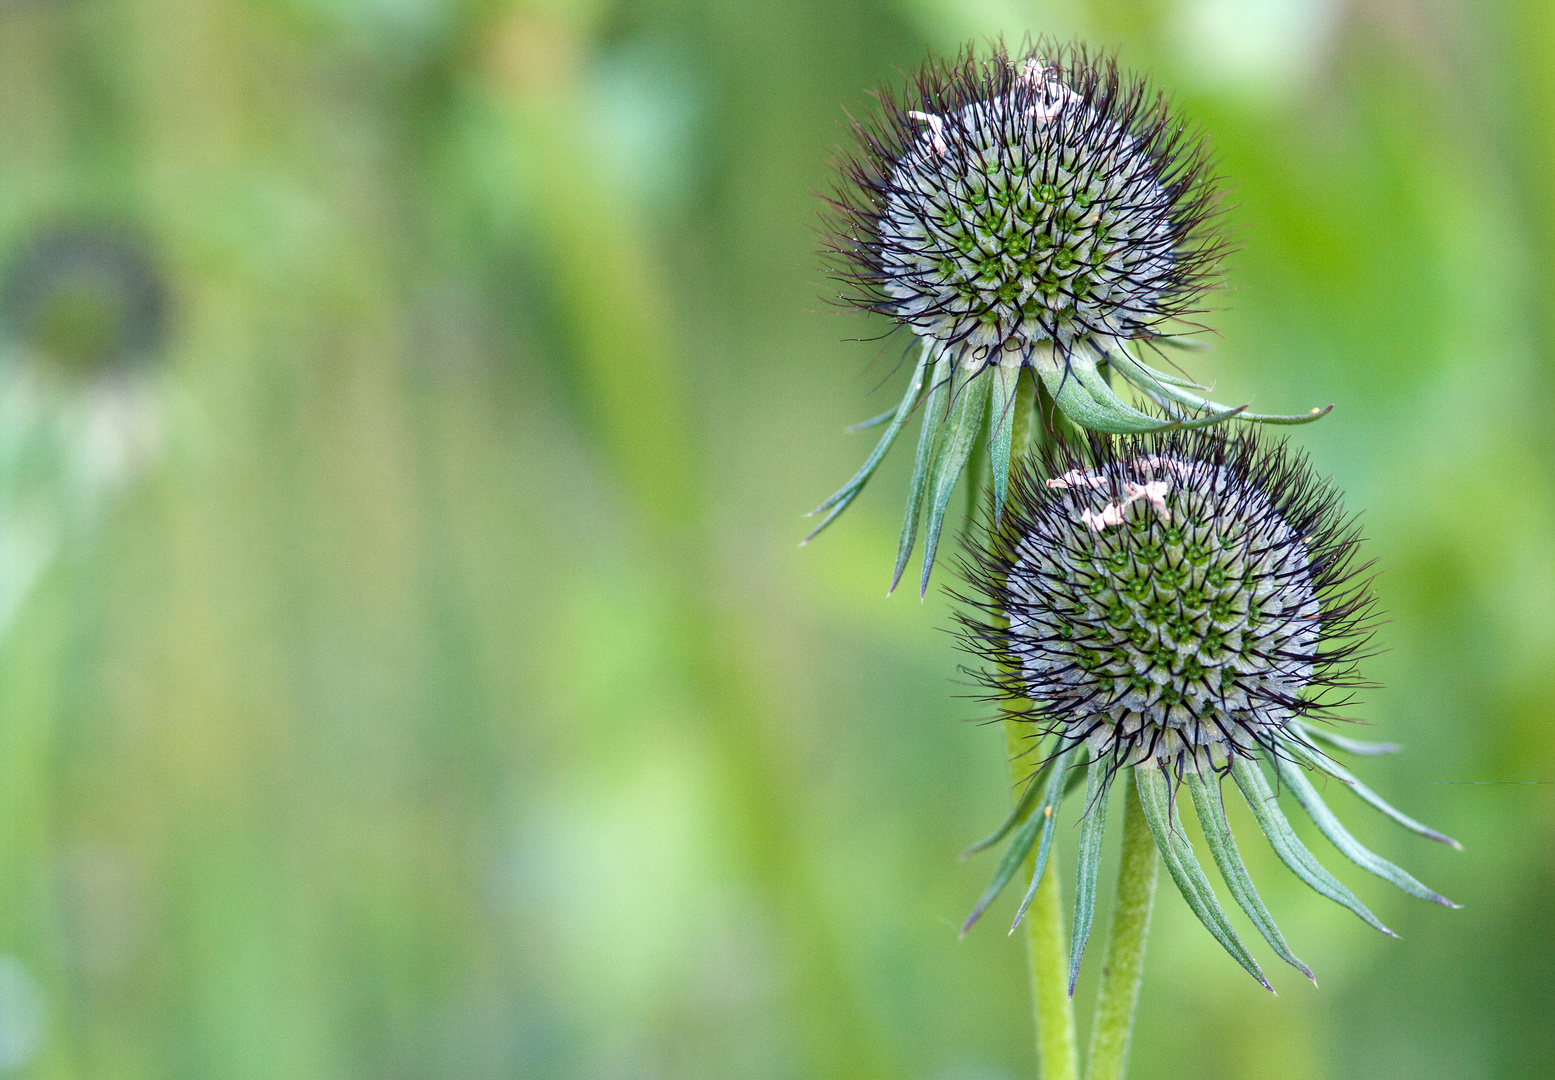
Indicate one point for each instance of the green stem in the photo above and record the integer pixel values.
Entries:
(1046, 948)
(1124, 968)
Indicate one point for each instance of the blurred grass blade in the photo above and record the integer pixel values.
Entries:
(846, 494)
(1092, 829)
(1292, 852)
(1156, 798)
(1307, 795)
(966, 420)
(1349, 746)
(1339, 772)
(1052, 796)
(1222, 845)
(928, 445)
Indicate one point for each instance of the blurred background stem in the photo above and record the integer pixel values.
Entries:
(638, 400)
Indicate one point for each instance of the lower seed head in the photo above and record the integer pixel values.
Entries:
(1161, 602)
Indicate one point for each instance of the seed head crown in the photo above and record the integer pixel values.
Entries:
(1180, 597)
(1005, 202)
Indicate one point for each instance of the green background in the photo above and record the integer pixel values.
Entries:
(446, 696)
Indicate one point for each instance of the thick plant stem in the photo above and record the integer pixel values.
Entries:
(1053, 1012)
(1046, 948)
(1124, 968)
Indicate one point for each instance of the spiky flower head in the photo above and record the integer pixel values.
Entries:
(1041, 211)
(1182, 605)
(1014, 201)
(1193, 594)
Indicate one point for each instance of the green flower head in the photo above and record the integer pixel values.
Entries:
(1041, 212)
(1188, 607)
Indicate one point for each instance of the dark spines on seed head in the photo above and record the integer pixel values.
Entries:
(1181, 596)
(1005, 201)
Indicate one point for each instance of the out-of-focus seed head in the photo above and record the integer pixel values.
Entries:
(1009, 201)
(1181, 597)
(84, 300)
(85, 314)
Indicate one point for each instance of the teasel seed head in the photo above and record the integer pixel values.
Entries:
(85, 314)
(84, 299)
(1040, 211)
(1167, 596)
(1016, 200)
(1186, 606)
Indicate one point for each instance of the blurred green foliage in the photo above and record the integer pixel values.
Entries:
(443, 695)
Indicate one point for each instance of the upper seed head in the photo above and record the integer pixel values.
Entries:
(1004, 202)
